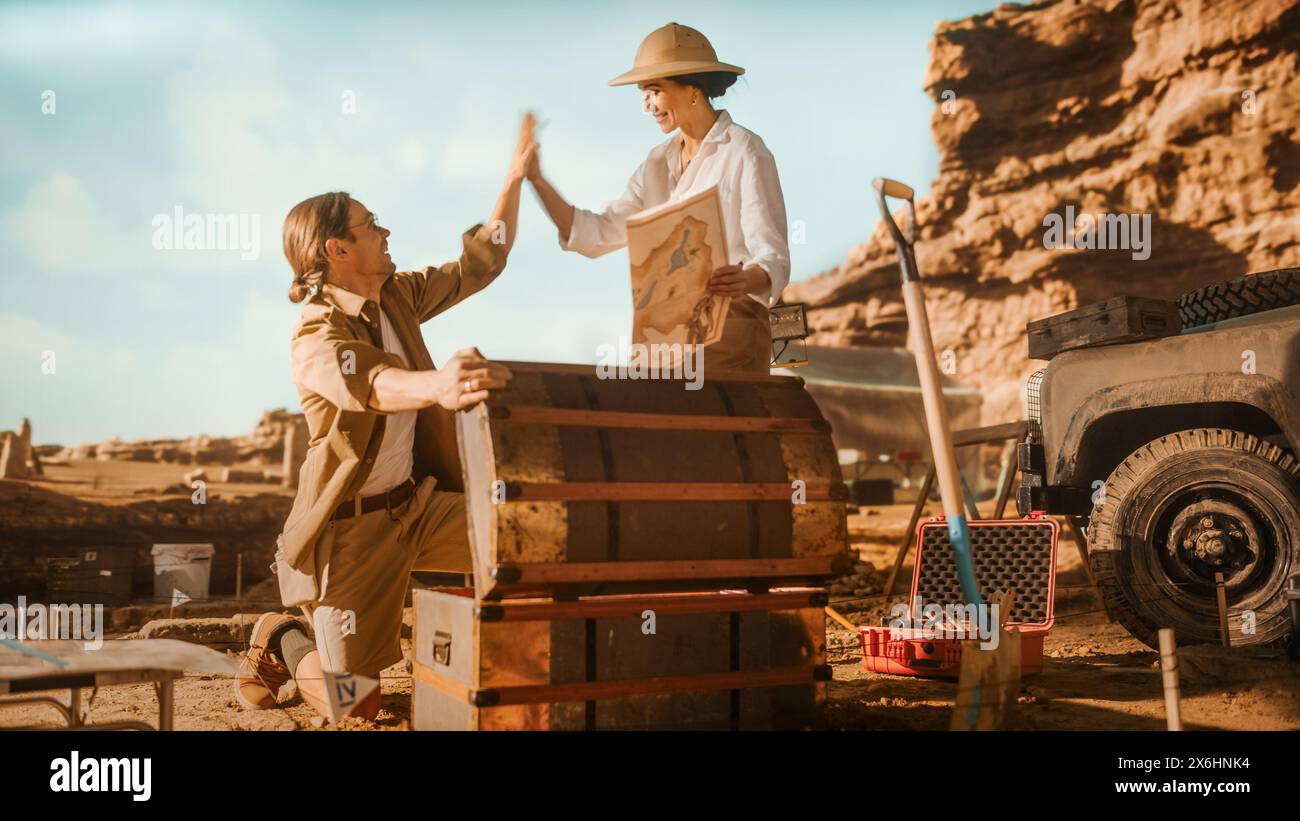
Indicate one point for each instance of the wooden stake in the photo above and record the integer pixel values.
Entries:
(1169, 676)
(239, 576)
(990, 679)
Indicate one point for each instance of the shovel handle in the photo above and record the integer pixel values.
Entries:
(886, 187)
(893, 188)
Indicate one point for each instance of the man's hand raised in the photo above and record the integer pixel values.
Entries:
(467, 379)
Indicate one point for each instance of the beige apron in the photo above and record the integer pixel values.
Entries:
(746, 343)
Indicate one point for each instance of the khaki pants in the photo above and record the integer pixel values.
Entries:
(746, 343)
(358, 617)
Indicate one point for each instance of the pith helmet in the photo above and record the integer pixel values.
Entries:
(670, 51)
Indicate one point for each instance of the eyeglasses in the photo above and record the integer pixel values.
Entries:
(369, 220)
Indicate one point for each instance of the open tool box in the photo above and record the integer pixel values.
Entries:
(1016, 555)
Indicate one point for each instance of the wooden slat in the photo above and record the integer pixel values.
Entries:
(814, 491)
(992, 433)
(441, 682)
(598, 690)
(615, 606)
(540, 573)
(537, 415)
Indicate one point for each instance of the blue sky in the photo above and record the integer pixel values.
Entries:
(237, 108)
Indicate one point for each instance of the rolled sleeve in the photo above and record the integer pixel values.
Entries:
(596, 234)
(763, 222)
(337, 366)
(438, 287)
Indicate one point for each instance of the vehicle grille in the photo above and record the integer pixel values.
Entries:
(1034, 397)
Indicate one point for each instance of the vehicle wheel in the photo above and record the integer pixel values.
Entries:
(1188, 505)
(1240, 297)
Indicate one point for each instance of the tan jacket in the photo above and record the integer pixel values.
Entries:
(336, 356)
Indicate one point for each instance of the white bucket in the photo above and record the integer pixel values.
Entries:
(181, 568)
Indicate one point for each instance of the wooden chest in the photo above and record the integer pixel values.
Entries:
(719, 660)
(582, 485)
(1120, 319)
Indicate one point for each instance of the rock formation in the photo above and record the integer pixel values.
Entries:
(265, 446)
(1188, 112)
(11, 461)
(17, 459)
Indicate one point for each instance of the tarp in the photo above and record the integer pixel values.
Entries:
(872, 398)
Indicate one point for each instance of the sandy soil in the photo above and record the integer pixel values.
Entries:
(1095, 676)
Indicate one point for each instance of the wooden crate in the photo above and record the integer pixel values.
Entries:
(1120, 319)
(583, 485)
(728, 660)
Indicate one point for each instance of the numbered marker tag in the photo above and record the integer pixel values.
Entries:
(178, 598)
(345, 692)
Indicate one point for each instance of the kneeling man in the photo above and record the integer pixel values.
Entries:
(379, 494)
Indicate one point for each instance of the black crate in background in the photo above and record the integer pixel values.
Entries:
(871, 491)
(100, 574)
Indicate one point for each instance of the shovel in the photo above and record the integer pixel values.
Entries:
(936, 412)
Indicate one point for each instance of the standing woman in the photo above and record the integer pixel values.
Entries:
(678, 74)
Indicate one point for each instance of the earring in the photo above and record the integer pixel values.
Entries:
(692, 99)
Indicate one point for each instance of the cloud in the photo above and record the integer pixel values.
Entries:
(38, 33)
(229, 112)
(62, 383)
(410, 156)
(60, 226)
(100, 389)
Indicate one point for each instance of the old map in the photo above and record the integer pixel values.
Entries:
(673, 251)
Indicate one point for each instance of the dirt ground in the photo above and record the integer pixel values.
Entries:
(1095, 676)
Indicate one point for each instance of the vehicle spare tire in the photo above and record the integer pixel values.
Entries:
(1184, 507)
(1240, 297)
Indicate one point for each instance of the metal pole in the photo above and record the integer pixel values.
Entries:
(1222, 595)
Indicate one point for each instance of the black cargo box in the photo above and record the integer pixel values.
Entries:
(99, 574)
(1120, 319)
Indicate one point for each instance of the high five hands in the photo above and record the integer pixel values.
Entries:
(524, 164)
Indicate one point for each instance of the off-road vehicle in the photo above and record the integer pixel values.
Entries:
(1177, 456)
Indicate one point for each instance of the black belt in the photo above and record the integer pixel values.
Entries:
(381, 501)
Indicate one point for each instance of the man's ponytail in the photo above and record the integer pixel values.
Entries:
(309, 224)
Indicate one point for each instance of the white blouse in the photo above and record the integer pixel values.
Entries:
(736, 161)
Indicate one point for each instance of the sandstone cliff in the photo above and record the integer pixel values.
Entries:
(1185, 111)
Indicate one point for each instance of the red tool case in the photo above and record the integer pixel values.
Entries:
(1010, 555)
